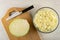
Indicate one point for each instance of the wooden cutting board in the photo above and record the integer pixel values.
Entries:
(32, 35)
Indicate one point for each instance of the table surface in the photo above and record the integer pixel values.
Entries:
(6, 4)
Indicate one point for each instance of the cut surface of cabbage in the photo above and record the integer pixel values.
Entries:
(19, 27)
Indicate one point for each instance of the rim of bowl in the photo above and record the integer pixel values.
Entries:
(36, 13)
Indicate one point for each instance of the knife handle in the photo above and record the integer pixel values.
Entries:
(27, 9)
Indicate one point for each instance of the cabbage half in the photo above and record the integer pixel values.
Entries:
(19, 27)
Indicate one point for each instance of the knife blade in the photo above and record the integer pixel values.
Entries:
(14, 14)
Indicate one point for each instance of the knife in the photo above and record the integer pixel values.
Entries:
(14, 14)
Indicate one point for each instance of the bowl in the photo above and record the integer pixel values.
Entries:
(38, 20)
